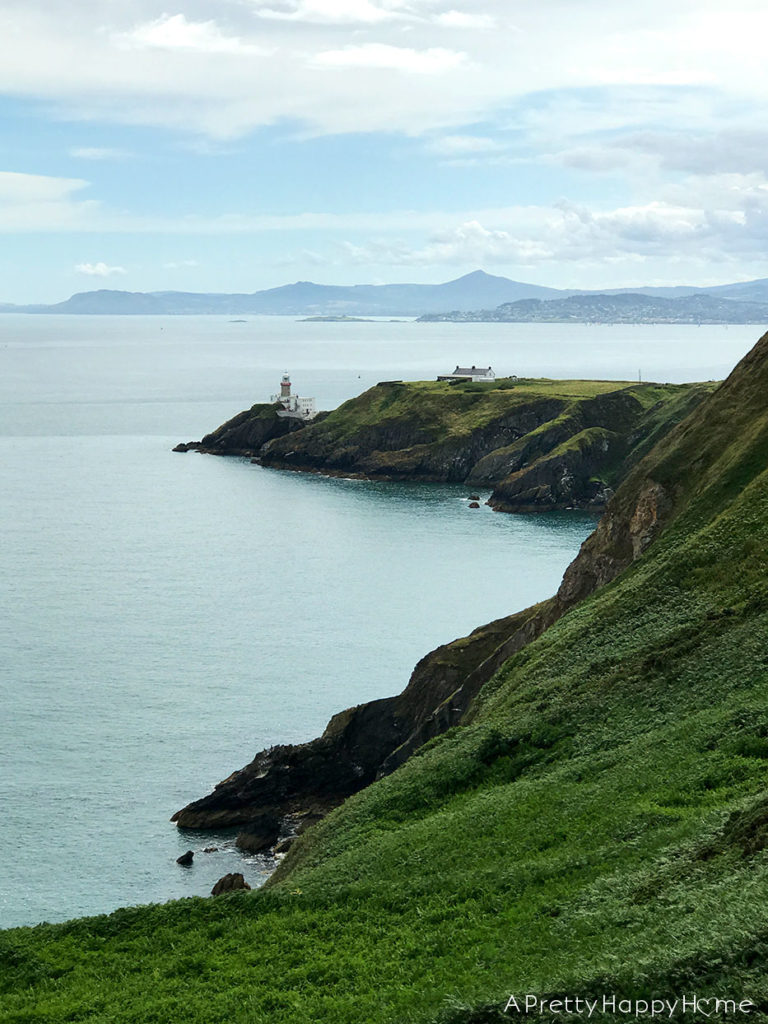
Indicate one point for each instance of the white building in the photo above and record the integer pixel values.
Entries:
(293, 405)
(477, 373)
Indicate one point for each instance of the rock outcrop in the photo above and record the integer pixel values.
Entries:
(261, 835)
(229, 883)
(245, 433)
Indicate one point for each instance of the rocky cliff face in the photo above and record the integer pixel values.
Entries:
(244, 434)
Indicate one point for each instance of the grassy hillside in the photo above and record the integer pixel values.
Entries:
(598, 825)
(541, 443)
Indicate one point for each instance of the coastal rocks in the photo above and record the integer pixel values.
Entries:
(186, 859)
(245, 433)
(229, 883)
(653, 506)
(261, 834)
(566, 479)
(303, 782)
(474, 504)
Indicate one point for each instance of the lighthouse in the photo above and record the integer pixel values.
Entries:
(292, 405)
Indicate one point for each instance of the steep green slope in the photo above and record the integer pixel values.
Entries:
(598, 825)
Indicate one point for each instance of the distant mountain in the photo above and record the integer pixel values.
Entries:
(304, 298)
(625, 307)
(473, 292)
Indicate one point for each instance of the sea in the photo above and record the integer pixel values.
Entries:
(165, 616)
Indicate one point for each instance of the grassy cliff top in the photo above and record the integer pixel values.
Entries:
(599, 826)
(462, 407)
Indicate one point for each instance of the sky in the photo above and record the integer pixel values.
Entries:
(236, 145)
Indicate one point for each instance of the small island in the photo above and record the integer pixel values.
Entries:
(336, 320)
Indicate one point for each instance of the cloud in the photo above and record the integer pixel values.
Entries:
(99, 269)
(99, 153)
(335, 12)
(392, 58)
(463, 19)
(174, 32)
(38, 202)
(125, 62)
(26, 188)
(700, 221)
(180, 264)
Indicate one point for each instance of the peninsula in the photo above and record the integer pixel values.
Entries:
(624, 308)
(538, 444)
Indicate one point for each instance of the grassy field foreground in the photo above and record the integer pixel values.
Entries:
(599, 825)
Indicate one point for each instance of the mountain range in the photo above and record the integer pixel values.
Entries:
(475, 291)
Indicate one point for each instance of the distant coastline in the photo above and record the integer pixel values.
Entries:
(475, 297)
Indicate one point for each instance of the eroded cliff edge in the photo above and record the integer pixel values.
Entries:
(298, 783)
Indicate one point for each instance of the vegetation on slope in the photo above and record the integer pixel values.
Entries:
(598, 825)
(541, 443)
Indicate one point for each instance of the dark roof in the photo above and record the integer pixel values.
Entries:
(471, 370)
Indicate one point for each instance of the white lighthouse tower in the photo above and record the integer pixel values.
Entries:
(293, 406)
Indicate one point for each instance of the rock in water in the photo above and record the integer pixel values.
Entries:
(186, 858)
(228, 883)
(474, 504)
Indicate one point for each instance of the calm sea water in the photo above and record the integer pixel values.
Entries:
(165, 616)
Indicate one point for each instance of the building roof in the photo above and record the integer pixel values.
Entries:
(470, 371)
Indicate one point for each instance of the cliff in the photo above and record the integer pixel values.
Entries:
(594, 826)
(540, 444)
(245, 433)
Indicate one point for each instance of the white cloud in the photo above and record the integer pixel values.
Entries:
(26, 188)
(126, 62)
(464, 19)
(174, 32)
(180, 264)
(38, 202)
(334, 12)
(99, 269)
(392, 58)
(701, 221)
(99, 153)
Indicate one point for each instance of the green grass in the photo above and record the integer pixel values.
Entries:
(598, 825)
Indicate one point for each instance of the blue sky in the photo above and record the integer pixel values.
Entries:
(243, 144)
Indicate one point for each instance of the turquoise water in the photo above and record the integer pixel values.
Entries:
(165, 616)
